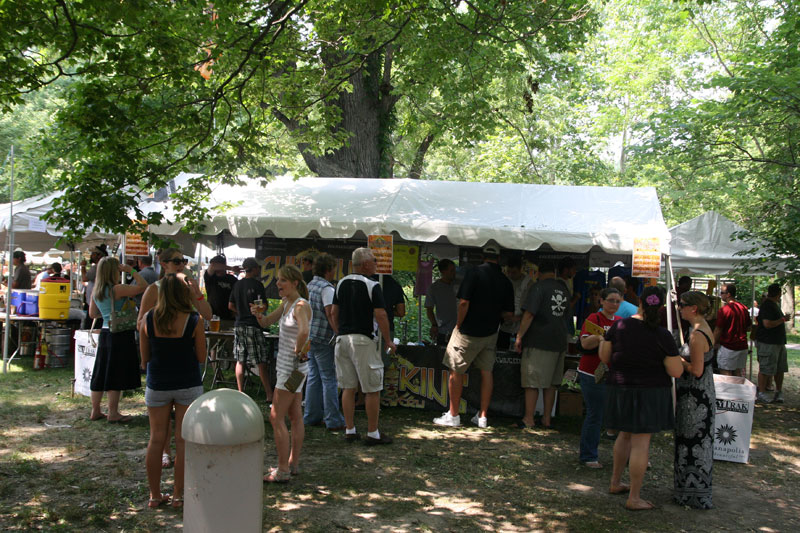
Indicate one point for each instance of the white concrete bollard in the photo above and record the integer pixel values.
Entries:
(224, 434)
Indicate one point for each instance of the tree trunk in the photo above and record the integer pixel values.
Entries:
(415, 172)
(367, 113)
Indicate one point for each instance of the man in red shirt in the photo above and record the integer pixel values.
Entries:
(730, 332)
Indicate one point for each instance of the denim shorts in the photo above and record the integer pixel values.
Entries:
(162, 398)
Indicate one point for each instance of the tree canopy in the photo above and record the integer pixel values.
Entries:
(696, 98)
(241, 87)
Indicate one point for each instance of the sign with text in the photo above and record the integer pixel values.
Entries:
(382, 249)
(37, 224)
(646, 262)
(406, 257)
(135, 245)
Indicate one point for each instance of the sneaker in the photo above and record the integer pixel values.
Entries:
(448, 420)
(778, 398)
(479, 421)
(761, 397)
(351, 437)
(371, 441)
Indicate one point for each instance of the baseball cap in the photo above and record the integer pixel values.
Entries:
(249, 263)
(491, 249)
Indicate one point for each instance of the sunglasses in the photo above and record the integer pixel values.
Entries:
(177, 261)
(683, 304)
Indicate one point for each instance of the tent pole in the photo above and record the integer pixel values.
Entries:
(10, 264)
(753, 319)
(670, 283)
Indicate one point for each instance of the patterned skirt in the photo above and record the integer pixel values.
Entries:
(694, 439)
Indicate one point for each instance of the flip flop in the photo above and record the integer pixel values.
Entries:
(101, 416)
(124, 419)
(592, 464)
(177, 503)
(521, 424)
(154, 503)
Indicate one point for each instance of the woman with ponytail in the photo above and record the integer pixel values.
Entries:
(642, 356)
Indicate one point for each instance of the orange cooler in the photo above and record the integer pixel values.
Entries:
(54, 300)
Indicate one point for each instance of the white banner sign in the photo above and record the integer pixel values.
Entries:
(84, 360)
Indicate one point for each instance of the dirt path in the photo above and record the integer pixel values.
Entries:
(60, 472)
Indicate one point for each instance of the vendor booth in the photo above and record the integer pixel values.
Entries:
(33, 234)
(597, 225)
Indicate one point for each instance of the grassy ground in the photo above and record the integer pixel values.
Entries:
(61, 472)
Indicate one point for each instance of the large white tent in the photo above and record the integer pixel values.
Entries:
(32, 233)
(707, 245)
(516, 216)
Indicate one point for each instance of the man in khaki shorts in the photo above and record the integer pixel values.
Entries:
(357, 306)
(542, 340)
(484, 299)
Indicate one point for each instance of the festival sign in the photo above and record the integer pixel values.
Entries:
(382, 249)
(135, 245)
(646, 262)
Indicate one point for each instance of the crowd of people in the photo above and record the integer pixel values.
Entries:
(333, 336)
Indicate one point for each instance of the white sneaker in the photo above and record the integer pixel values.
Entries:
(479, 421)
(448, 420)
(762, 397)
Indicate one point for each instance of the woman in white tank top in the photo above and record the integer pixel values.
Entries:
(294, 315)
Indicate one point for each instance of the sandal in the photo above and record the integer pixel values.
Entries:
(101, 416)
(523, 425)
(592, 464)
(294, 470)
(166, 460)
(177, 503)
(277, 476)
(154, 503)
(124, 419)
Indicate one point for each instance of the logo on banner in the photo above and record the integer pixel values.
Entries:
(726, 434)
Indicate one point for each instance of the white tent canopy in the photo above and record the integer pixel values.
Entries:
(32, 233)
(516, 216)
(706, 245)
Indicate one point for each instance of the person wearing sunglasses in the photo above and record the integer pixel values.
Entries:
(173, 262)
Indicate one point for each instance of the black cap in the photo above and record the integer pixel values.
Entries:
(250, 263)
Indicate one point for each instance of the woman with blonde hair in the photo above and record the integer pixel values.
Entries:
(294, 316)
(695, 404)
(172, 262)
(173, 345)
(116, 364)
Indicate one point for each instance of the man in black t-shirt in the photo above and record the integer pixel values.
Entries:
(248, 338)
(358, 306)
(485, 297)
(219, 284)
(770, 335)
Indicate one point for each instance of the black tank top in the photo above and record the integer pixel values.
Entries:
(173, 364)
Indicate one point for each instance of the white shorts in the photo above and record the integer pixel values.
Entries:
(731, 359)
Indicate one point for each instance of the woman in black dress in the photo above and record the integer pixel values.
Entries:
(641, 356)
(694, 426)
